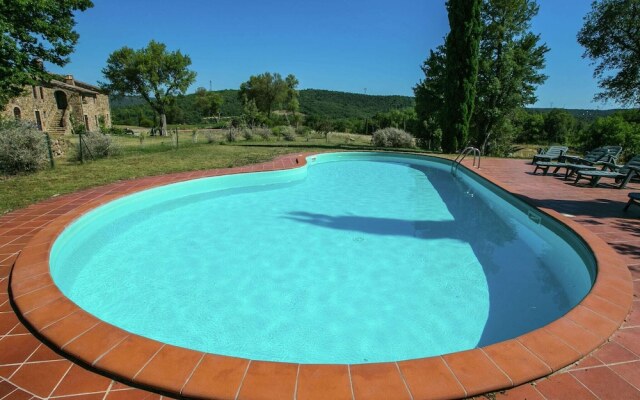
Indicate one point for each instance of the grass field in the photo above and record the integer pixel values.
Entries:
(155, 156)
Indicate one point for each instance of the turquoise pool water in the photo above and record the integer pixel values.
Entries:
(355, 258)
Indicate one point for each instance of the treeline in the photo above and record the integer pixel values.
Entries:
(558, 126)
(352, 112)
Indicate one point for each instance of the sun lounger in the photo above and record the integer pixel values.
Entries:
(571, 164)
(597, 155)
(621, 173)
(552, 153)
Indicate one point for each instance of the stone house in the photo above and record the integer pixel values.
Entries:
(54, 106)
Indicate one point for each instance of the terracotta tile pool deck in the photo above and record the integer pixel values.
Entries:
(593, 352)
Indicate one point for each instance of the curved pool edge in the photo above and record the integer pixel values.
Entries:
(178, 371)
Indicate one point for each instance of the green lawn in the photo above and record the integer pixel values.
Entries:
(155, 156)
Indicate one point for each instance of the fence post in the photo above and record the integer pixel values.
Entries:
(80, 144)
(46, 135)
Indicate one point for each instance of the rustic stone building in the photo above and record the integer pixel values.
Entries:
(54, 106)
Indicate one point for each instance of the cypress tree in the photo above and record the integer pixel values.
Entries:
(462, 45)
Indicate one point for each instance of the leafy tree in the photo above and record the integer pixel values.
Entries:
(291, 101)
(429, 94)
(250, 112)
(616, 129)
(558, 126)
(510, 63)
(33, 32)
(510, 60)
(611, 39)
(461, 70)
(152, 73)
(208, 103)
(267, 90)
(530, 126)
(324, 127)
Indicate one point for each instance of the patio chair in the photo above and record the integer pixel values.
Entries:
(571, 164)
(552, 153)
(634, 198)
(621, 173)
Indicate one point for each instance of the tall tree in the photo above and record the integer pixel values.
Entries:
(559, 126)
(207, 102)
(429, 94)
(510, 63)
(250, 112)
(611, 38)
(461, 70)
(152, 73)
(34, 31)
(267, 90)
(291, 101)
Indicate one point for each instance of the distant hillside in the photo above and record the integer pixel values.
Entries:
(336, 105)
(326, 103)
(580, 114)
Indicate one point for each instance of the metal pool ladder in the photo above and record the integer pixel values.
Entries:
(465, 152)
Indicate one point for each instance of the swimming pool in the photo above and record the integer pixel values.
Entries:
(354, 258)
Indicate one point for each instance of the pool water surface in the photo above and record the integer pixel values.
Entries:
(352, 259)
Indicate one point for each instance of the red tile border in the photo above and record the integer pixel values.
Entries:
(180, 371)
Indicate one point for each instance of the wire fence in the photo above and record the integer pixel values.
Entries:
(78, 146)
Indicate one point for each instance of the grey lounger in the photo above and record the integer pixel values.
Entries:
(621, 173)
(571, 164)
(552, 153)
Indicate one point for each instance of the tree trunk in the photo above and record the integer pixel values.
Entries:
(163, 124)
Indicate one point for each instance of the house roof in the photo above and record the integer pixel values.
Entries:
(78, 86)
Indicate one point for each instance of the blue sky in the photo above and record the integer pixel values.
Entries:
(352, 45)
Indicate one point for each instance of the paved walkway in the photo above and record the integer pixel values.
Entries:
(30, 370)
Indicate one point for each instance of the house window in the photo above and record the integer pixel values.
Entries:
(41, 93)
(35, 93)
(84, 99)
(86, 122)
(38, 120)
(97, 122)
(17, 114)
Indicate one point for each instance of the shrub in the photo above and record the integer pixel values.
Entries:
(97, 145)
(392, 137)
(232, 135)
(146, 123)
(303, 130)
(264, 133)
(22, 147)
(247, 133)
(118, 131)
(288, 133)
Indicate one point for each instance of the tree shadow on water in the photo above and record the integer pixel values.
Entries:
(490, 238)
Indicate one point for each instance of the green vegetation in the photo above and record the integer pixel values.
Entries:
(22, 148)
(95, 145)
(611, 39)
(29, 38)
(345, 112)
(392, 137)
(207, 103)
(461, 71)
(268, 91)
(151, 73)
(510, 61)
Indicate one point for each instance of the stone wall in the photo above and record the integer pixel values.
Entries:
(84, 106)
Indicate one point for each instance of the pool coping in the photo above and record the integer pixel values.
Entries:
(177, 371)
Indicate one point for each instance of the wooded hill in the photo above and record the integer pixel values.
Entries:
(321, 103)
(313, 102)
